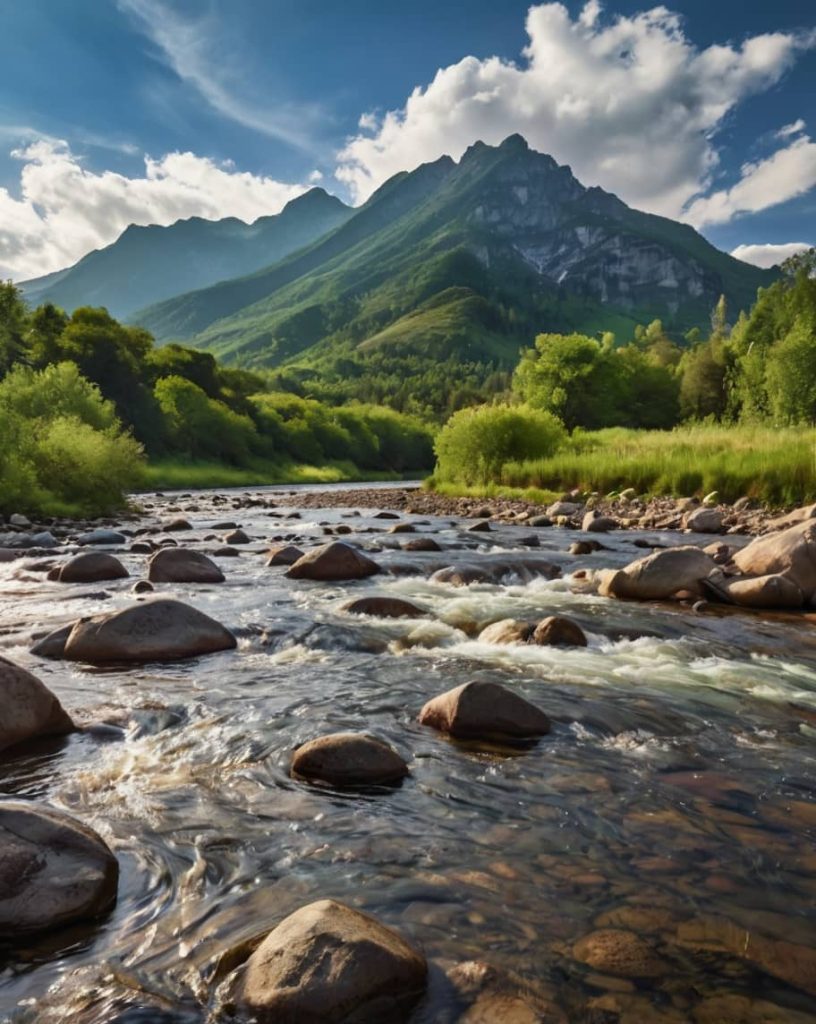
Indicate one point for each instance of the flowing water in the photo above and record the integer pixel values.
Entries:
(675, 796)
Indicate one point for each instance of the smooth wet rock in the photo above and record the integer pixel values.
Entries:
(595, 523)
(506, 631)
(540, 521)
(53, 644)
(53, 870)
(177, 525)
(481, 710)
(493, 996)
(563, 508)
(17, 519)
(101, 536)
(422, 544)
(328, 964)
(28, 709)
(161, 630)
(462, 575)
(761, 592)
(142, 587)
(91, 567)
(396, 528)
(659, 575)
(483, 526)
(236, 537)
(619, 952)
(385, 608)
(704, 520)
(558, 631)
(333, 561)
(181, 565)
(284, 554)
(348, 759)
(791, 553)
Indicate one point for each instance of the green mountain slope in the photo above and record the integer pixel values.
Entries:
(147, 264)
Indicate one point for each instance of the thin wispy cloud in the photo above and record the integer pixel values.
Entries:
(195, 49)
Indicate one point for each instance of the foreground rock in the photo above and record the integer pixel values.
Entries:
(480, 710)
(162, 630)
(659, 576)
(348, 759)
(28, 709)
(506, 631)
(53, 870)
(329, 963)
(91, 567)
(791, 554)
(757, 591)
(179, 565)
(384, 608)
(333, 561)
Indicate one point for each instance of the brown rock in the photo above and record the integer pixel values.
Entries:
(53, 644)
(384, 608)
(461, 575)
(480, 710)
(348, 759)
(162, 630)
(506, 631)
(421, 544)
(333, 561)
(619, 952)
(91, 567)
(180, 565)
(791, 554)
(284, 554)
(500, 997)
(659, 575)
(236, 537)
(559, 631)
(704, 520)
(594, 523)
(326, 964)
(28, 709)
(765, 592)
(53, 870)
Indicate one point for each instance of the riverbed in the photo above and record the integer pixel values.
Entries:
(674, 798)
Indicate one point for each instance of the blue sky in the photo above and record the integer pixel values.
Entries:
(114, 111)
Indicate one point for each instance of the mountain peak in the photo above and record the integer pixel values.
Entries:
(515, 143)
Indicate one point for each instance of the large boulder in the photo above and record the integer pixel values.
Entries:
(791, 553)
(348, 759)
(506, 631)
(53, 870)
(704, 520)
(659, 575)
(333, 561)
(162, 630)
(326, 964)
(761, 592)
(180, 565)
(481, 710)
(91, 567)
(28, 709)
(384, 608)
(558, 631)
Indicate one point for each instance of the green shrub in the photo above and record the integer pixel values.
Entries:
(475, 444)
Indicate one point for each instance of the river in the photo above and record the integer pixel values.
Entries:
(675, 796)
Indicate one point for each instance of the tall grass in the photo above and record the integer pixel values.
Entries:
(176, 474)
(777, 466)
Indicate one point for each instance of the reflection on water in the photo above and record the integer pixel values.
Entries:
(675, 797)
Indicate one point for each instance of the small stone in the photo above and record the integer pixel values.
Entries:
(559, 631)
(181, 565)
(619, 952)
(482, 710)
(236, 537)
(283, 554)
(384, 608)
(348, 759)
(334, 561)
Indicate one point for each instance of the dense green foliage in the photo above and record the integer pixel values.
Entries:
(63, 449)
(476, 444)
(91, 389)
(768, 463)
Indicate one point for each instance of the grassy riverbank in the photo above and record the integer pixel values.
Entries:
(775, 465)
(172, 474)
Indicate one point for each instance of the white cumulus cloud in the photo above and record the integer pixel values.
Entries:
(629, 102)
(770, 254)
(65, 210)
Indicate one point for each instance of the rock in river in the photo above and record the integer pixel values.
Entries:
(658, 576)
(500, 997)
(162, 630)
(28, 709)
(348, 759)
(326, 964)
(384, 608)
(102, 536)
(619, 952)
(284, 554)
(180, 565)
(53, 870)
(480, 710)
(333, 561)
(791, 554)
(91, 567)
(558, 631)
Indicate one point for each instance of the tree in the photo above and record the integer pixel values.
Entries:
(13, 325)
(790, 375)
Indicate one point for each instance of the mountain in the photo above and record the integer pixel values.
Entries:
(148, 264)
(466, 261)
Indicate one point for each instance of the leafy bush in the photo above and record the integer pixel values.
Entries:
(475, 444)
(63, 450)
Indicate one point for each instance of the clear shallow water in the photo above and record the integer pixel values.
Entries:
(677, 785)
